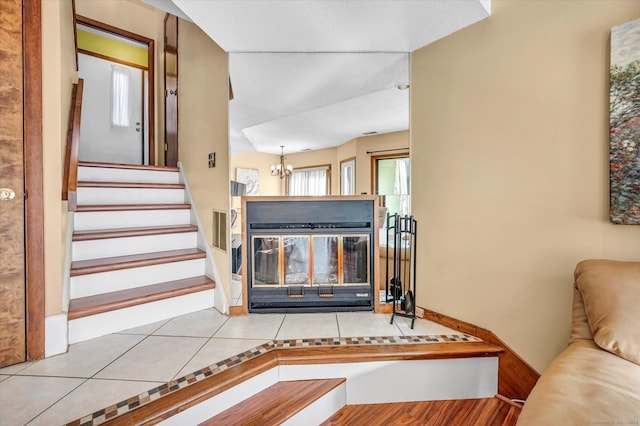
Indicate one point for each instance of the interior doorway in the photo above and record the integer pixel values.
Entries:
(117, 123)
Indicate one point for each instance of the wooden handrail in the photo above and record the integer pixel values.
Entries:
(70, 180)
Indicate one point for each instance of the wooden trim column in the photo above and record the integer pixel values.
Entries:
(34, 216)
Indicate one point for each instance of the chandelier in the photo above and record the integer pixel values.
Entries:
(281, 170)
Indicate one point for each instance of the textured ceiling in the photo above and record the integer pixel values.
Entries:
(313, 74)
(314, 100)
(330, 25)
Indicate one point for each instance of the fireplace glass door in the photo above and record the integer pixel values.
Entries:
(296, 260)
(266, 253)
(310, 260)
(325, 260)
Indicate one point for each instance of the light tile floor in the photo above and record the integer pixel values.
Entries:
(102, 371)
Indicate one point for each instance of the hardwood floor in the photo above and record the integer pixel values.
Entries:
(471, 412)
(275, 404)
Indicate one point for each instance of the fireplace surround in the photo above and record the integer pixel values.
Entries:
(310, 254)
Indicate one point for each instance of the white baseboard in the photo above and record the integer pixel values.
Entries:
(56, 339)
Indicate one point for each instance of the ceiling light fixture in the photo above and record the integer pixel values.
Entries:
(403, 86)
(281, 170)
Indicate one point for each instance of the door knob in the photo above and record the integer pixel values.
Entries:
(7, 194)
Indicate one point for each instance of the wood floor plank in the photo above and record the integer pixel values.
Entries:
(464, 412)
(275, 404)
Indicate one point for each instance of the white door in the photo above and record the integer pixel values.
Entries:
(112, 125)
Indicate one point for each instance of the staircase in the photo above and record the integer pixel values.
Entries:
(135, 256)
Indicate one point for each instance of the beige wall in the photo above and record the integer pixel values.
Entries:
(139, 18)
(269, 185)
(58, 76)
(203, 128)
(509, 145)
(395, 140)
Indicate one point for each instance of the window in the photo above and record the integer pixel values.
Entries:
(348, 177)
(120, 96)
(310, 181)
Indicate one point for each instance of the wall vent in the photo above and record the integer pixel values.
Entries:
(219, 239)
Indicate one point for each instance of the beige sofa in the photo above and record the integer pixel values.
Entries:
(596, 380)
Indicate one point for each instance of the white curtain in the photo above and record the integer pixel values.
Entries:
(308, 182)
(120, 96)
(401, 186)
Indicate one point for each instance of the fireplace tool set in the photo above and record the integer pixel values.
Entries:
(401, 278)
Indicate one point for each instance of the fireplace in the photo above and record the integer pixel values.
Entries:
(310, 254)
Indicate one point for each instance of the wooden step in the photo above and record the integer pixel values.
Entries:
(275, 404)
(127, 166)
(106, 302)
(85, 184)
(471, 412)
(132, 232)
(127, 207)
(183, 398)
(94, 266)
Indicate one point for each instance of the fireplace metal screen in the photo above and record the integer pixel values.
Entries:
(310, 255)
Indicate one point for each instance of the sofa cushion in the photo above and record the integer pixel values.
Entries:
(585, 385)
(611, 294)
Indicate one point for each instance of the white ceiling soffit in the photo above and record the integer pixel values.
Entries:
(169, 7)
(314, 100)
(284, 95)
(330, 25)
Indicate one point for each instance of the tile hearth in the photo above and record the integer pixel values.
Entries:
(98, 373)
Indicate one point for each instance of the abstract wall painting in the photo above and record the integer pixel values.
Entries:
(624, 142)
(251, 178)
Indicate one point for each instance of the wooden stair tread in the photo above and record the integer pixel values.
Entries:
(409, 351)
(127, 166)
(127, 207)
(93, 266)
(131, 232)
(275, 404)
(92, 305)
(476, 412)
(94, 184)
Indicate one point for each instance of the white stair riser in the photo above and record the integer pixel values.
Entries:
(104, 196)
(112, 247)
(320, 409)
(86, 221)
(415, 380)
(86, 328)
(123, 279)
(104, 174)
